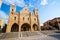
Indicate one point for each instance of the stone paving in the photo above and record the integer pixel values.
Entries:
(31, 36)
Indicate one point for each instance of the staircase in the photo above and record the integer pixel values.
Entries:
(9, 35)
(25, 36)
(18, 34)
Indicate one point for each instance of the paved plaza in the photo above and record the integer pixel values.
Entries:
(26, 36)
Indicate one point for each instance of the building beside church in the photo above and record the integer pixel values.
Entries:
(52, 24)
(23, 20)
(1, 23)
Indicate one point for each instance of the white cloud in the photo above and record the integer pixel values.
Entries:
(3, 16)
(30, 5)
(20, 3)
(44, 2)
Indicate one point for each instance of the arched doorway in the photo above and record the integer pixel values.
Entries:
(25, 27)
(15, 28)
(35, 27)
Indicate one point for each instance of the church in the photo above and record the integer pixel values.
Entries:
(23, 20)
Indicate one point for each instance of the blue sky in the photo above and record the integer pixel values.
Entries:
(48, 9)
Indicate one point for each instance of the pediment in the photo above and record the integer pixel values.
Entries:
(25, 10)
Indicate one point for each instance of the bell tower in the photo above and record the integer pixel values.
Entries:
(13, 18)
(12, 8)
(35, 11)
(36, 14)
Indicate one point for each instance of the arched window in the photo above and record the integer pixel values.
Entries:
(34, 19)
(23, 18)
(28, 18)
(14, 18)
(12, 10)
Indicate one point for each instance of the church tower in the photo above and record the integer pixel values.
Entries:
(35, 11)
(13, 19)
(36, 14)
(12, 8)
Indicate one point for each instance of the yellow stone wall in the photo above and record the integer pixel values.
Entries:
(1, 23)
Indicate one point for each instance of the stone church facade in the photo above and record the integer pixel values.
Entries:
(23, 21)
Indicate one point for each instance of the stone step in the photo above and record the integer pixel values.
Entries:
(44, 37)
(19, 34)
(9, 35)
